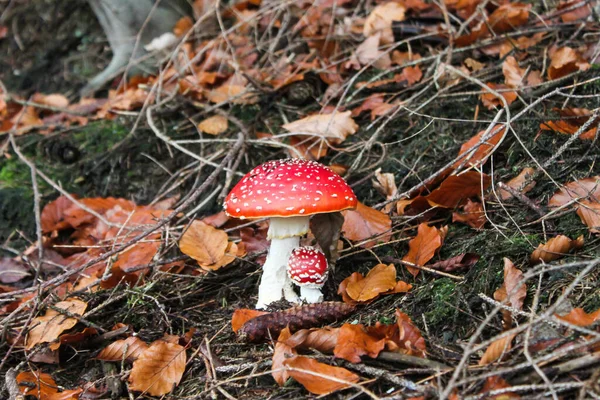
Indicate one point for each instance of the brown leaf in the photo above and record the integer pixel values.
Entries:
(353, 341)
(333, 127)
(589, 212)
(518, 184)
(583, 189)
(53, 215)
(37, 384)
(158, 369)
(422, 247)
(51, 100)
(465, 260)
(214, 125)
(282, 352)
(320, 339)
(496, 349)
(410, 338)
(128, 349)
(48, 327)
(513, 74)
(243, 315)
(513, 289)
(582, 11)
(473, 215)
(204, 243)
(490, 100)
(564, 61)
(234, 90)
(327, 228)
(554, 249)
(574, 119)
(456, 188)
(380, 20)
(380, 279)
(366, 222)
(73, 338)
(579, 317)
(319, 378)
(12, 270)
(368, 53)
(480, 155)
(385, 184)
(497, 383)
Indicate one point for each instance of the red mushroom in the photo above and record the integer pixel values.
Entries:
(288, 192)
(307, 268)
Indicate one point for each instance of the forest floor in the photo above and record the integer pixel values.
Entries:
(143, 170)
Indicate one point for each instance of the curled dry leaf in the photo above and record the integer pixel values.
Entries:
(282, 352)
(204, 243)
(497, 383)
(214, 125)
(233, 90)
(491, 100)
(321, 339)
(564, 61)
(582, 189)
(555, 248)
(456, 188)
(589, 212)
(43, 387)
(128, 349)
(243, 315)
(381, 279)
(473, 215)
(334, 127)
(385, 184)
(380, 20)
(521, 183)
(73, 338)
(353, 341)
(319, 378)
(366, 222)
(476, 151)
(422, 247)
(513, 289)
(579, 317)
(158, 369)
(48, 327)
(514, 76)
(496, 349)
(368, 53)
(574, 118)
(462, 261)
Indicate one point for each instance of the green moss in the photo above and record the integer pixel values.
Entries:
(443, 296)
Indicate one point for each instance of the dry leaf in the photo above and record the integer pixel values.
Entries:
(518, 184)
(234, 90)
(480, 154)
(589, 212)
(513, 289)
(51, 100)
(564, 61)
(422, 247)
(554, 249)
(320, 339)
(583, 189)
(456, 188)
(243, 315)
(409, 337)
(315, 376)
(353, 341)
(368, 53)
(158, 369)
(473, 215)
(579, 317)
(490, 100)
(513, 74)
(496, 349)
(497, 383)
(574, 119)
(282, 352)
(380, 279)
(12, 270)
(385, 184)
(582, 11)
(366, 222)
(128, 349)
(204, 243)
(43, 387)
(334, 127)
(380, 20)
(214, 125)
(48, 327)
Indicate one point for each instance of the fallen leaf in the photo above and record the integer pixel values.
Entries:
(456, 188)
(579, 317)
(243, 315)
(554, 249)
(497, 383)
(589, 212)
(496, 349)
(574, 118)
(462, 261)
(385, 184)
(204, 243)
(234, 90)
(12, 270)
(128, 349)
(48, 327)
(520, 183)
(51, 100)
(333, 127)
(473, 215)
(380, 20)
(409, 339)
(320, 339)
(158, 369)
(53, 215)
(214, 125)
(513, 74)
(582, 189)
(282, 352)
(353, 341)
(582, 11)
(478, 156)
(490, 100)
(73, 338)
(319, 378)
(380, 279)
(564, 61)
(327, 229)
(513, 289)
(368, 53)
(422, 247)
(37, 384)
(365, 222)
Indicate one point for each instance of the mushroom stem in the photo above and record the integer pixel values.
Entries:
(275, 283)
(311, 294)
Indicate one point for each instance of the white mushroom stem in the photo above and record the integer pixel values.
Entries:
(311, 294)
(284, 234)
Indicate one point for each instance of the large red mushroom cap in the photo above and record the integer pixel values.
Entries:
(289, 188)
(307, 267)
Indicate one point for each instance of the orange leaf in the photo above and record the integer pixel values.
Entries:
(128, 349)
(422, 247)
(233, 90)
(473, 215)
(48, 327)
(320, 339)
(53, 215)
(333, 127)
(582, 11)
(37, 384)
(204, 243)
(214, 125)
(518, 184)
(564, 61)
(574, 119)
(380, 279)
(579, 317)
(457, 188)
(319, 378)
(497, 383)
(353, 342)
(513, 289)
(243, 315)
(380, 20)
(490, 100)
(589, 212)
(478, 157)
(366, 222)
(554, 249)
(513, 74)
(409, 335)
(158, 369)
(282, 352)
(496, 349)
(587, 188)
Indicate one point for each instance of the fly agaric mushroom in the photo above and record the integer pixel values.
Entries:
(307, 268)
(288, 192)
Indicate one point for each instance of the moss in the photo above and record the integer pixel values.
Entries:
(443, 296)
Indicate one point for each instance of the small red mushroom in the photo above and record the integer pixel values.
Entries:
(307, 268)
(288, 192)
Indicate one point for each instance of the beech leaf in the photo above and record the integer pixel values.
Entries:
(555, 248)
(319, 378)
(366, 222)
(158, 369)
(129, 349)
(48, 327)
(204, 243)
(422, 247)
(353, 342)
(380, 279)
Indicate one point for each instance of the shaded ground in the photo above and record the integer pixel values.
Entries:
(110, 158)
